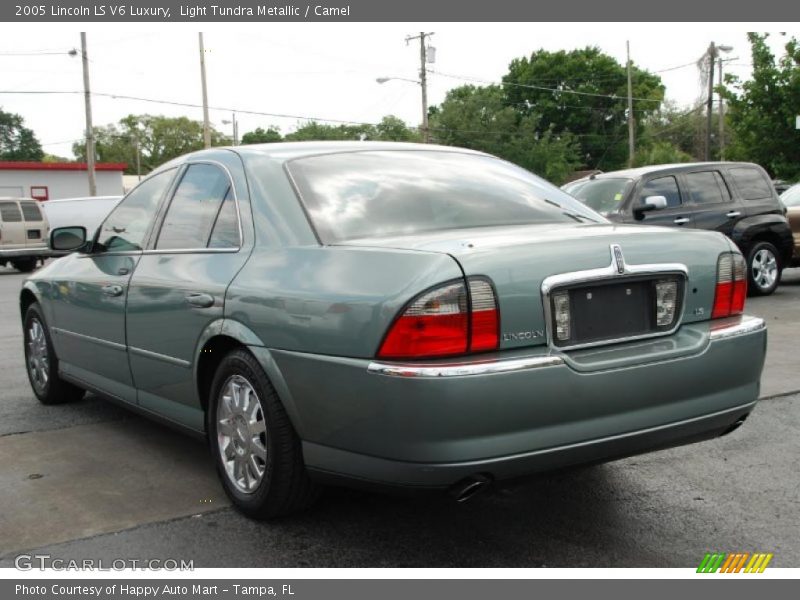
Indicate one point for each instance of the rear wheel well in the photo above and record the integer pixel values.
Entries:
(211, 356)
(26, 298)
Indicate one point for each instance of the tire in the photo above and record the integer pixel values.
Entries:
(41, 362)
(24, 265)
(256, 433)
(763, 269)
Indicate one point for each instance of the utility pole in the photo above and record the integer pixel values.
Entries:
(87, 95)
(721, 116)
(631, 142)
(423, 80)
(138, 158)
(206, 127)
(712, 56)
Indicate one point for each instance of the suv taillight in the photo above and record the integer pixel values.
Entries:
(445, 321)
(731, 286)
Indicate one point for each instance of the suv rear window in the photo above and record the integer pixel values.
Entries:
(751, 183)
(383, 193)
(30, 211)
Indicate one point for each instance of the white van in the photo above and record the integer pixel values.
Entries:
(23, 233)
(89, 212)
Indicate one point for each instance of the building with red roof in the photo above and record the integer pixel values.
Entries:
(50, 181)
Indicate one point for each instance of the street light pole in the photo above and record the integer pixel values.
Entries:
(206, 126)
(423, 80)
(87, 95)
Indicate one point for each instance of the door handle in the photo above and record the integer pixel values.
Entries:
(112, 290)
(200, 300)
(681, 220)
(732, 214)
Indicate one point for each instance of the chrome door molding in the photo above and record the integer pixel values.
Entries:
(89, 338)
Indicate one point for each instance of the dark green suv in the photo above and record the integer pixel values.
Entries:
(736, 199)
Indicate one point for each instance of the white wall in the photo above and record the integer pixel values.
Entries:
(62, 184)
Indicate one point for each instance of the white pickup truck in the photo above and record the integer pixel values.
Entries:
(89, 212)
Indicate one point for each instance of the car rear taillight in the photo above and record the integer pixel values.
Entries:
(445, 321)
(731, 286)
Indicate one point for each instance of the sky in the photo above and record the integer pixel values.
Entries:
(314, 70)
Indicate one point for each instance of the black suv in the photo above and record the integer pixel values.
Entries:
(737, 199)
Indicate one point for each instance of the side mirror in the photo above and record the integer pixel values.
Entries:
(67, 239)
(648, 204)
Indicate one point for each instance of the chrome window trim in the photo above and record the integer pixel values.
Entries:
(610, 273)
(177, 185)
(464, 369)
(744, 325)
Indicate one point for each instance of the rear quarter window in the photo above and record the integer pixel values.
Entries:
(751, 183)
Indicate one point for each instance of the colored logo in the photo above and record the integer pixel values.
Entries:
(736, 562)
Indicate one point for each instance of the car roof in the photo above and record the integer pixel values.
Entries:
(638, 172)
(285, 151)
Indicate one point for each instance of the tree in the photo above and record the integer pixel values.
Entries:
(262, 136)
(390, 128)
(479, 118)
(583, 92)
(17, 142)
(762, 110)
(159, 138)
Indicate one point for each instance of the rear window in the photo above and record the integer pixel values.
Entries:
(9, 212)
(354, 195)
(31, 212)
(602, 195)
(751, 183)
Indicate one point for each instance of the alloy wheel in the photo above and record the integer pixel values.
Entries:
(765, 269)
(241, 434)
(38, 357)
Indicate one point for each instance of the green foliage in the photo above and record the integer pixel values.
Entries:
(541, 85)
(762, 110)
(17, 142)
(262, 136)
(478, 118)
(660, 153)
(390, 128)
(160, 139)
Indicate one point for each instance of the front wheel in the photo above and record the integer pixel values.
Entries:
(763, 269)
(256, 450)
(24, 265)
(42, 363)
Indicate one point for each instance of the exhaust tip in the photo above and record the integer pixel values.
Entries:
(469, 487)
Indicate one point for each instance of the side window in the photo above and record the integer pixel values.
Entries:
(31, 212)
(126, 226)
(9, 212)
(706, 187)
(226, 230)
(195, 205)
(663, 186)
(751, 183)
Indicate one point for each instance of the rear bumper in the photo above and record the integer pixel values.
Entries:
(430, 425)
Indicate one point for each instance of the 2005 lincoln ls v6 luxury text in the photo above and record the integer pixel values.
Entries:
(391, 315)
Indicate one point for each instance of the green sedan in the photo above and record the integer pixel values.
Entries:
(392, 316)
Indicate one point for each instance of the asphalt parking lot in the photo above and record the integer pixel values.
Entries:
(91, 480)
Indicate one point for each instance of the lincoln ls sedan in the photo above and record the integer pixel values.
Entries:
(392, 316)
